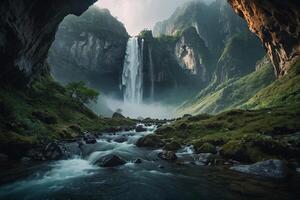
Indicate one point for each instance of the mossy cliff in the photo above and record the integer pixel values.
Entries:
(42, 112)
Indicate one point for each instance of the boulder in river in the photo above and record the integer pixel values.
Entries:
(121, 139)
(140, 128)
(110, 161)
(167, 155)
(89, 138)
(151, 140)
(172, 146)
(53, 151)
(268, 168)
(137, 161)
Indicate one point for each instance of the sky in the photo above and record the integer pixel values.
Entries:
(137, 15)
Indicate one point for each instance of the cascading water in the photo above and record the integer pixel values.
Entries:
(132, 77)
(151, 73)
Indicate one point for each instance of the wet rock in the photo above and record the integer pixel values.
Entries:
(151, 140)
(205, 158)
(160, 166)
(140, 128)
(71, 149)
(89, 138)
(110, 161)
(207, 148)
(53, 151)
(36, 154)
(137, 161)
(118, 115)
(25, 159)
(269, 168)
(121, 139)
(167, 155)
(172, 146)
(235, 150)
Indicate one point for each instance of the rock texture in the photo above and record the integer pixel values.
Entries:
(90, 48)
(27, 31)
(268, 168)
(192, 54)
(276, 23)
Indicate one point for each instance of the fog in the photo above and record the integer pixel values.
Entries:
(153, 110)
(141, 14)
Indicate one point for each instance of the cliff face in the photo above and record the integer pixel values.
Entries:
(90, 48)
(276, 23)
(27, 31)
(193, 55)
(219, 31)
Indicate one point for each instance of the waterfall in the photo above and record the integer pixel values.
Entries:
(151, 69)
(132, 77)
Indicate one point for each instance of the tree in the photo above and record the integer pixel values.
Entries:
(81, 93)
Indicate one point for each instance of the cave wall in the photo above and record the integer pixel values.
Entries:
(27, 31)
(277, 24)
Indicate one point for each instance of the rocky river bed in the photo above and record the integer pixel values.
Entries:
(123, 165)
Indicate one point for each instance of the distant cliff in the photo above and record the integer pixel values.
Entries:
(90, 48)
(221, 31)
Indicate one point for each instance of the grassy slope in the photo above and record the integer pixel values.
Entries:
(245, 135)
(271, 130)
(231, 94)
(20, 126)
(284, 91)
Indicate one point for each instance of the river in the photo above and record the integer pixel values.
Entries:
(153, 179)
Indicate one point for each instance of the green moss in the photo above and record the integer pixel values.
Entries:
(207, 148)
(233, 93)
(283, 91)
(246, 135)
(46, 111)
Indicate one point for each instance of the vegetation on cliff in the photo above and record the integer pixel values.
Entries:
(243, 135)
(45, 111)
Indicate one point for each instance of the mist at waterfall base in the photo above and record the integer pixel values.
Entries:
(153, 110)
(133, 88)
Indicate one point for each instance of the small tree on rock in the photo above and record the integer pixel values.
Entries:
(81, 93)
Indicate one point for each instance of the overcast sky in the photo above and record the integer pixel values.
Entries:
(140, 14)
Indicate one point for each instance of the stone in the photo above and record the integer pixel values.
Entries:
(89, 138)
(137, 161)
(118, 115)
(53, 151)
(207, 148)
(110, 161)
(268, 168)
(172, 146)
(151, 140)
(205, 158)
(121, 139)
(167, 155)
(140, 128)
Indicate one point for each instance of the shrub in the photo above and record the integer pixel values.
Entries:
(81, 93)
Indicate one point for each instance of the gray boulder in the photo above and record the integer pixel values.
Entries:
(151, 140)
(167, 155)
(110, 161)
(268, 168)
